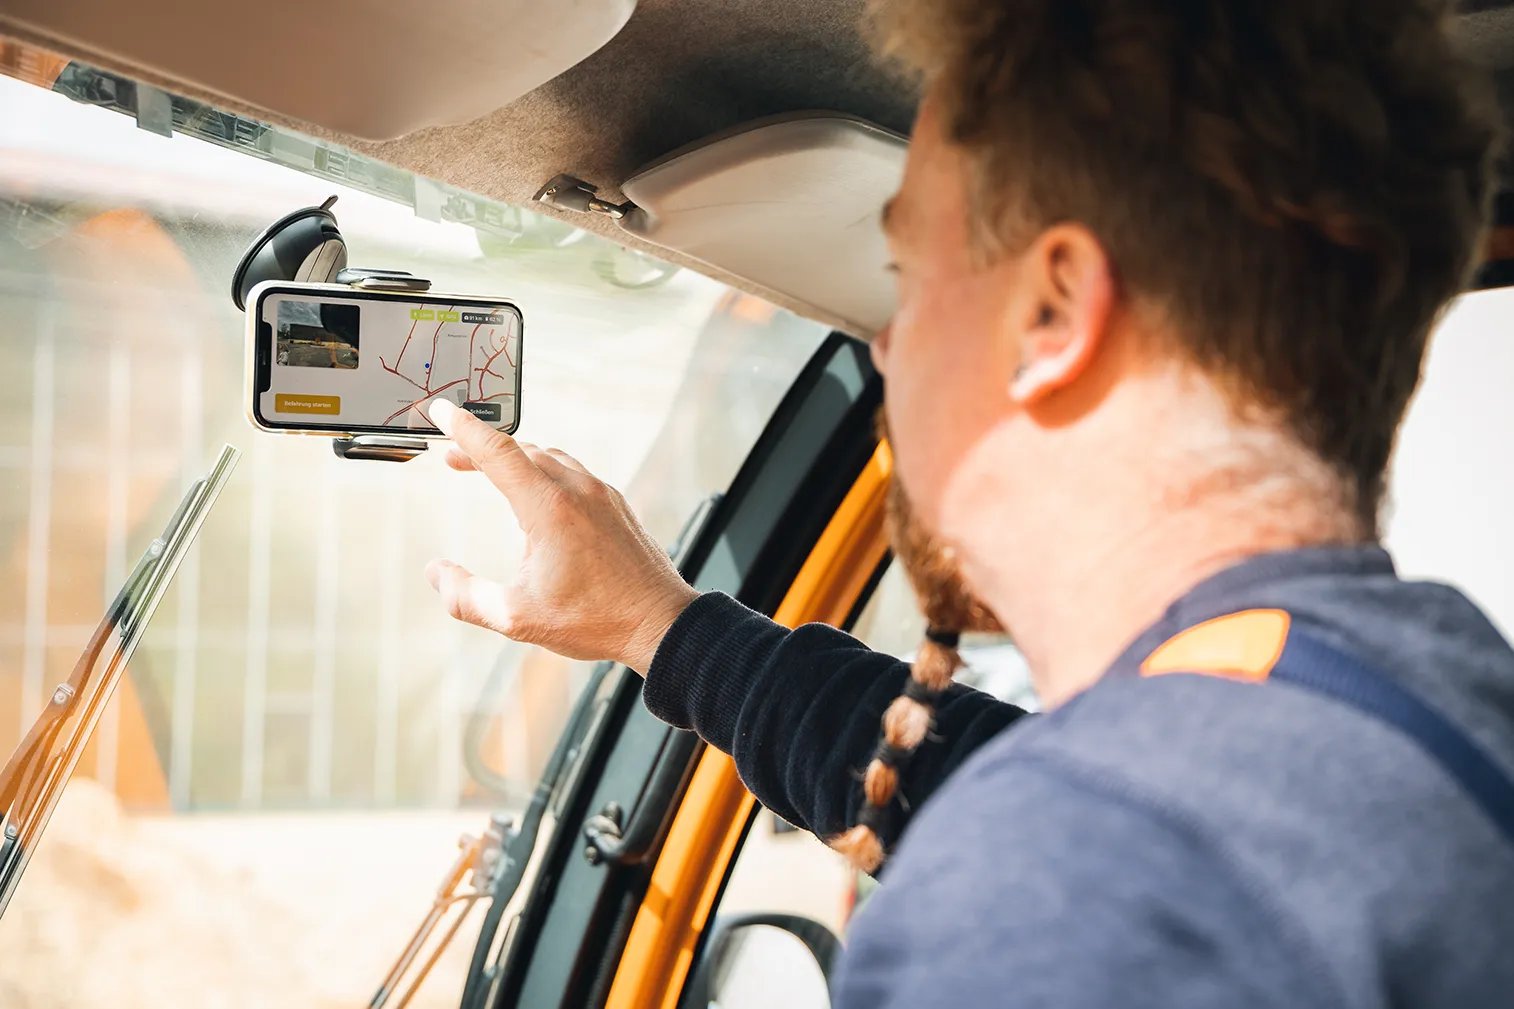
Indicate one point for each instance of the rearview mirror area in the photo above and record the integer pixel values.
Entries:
(762, 960)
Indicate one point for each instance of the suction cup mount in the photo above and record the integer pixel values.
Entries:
(305, 246)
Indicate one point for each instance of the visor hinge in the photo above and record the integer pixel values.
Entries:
(566, 192)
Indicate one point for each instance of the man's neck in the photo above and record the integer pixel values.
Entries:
(1107, 566)
(1071, 647)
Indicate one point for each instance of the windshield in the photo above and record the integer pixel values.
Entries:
(278, 786)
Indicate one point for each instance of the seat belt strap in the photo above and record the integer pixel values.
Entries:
(1313, 665)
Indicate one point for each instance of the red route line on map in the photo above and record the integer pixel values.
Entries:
(471, 337)
(416, 403)
(394, 370)
(397, 360)
(435, 336)
(487, 369)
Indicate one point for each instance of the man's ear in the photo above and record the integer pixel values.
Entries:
(1069, 282)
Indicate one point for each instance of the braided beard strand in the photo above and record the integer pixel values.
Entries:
(950, 608)
(933, 572)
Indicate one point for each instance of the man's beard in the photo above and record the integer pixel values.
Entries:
(945, 599)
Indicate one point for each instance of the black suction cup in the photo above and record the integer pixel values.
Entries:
(303, 246)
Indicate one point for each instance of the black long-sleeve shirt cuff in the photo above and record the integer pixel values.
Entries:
(704, 668)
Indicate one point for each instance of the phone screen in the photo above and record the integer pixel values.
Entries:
(374, 362)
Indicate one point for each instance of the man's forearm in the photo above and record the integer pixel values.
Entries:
(799, 710)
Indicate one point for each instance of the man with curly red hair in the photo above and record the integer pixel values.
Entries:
(1166, 273)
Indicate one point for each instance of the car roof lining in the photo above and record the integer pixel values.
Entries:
(791, 201)
(400, 72)
(678, 72)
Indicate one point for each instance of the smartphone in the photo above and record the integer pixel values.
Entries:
(328, 359)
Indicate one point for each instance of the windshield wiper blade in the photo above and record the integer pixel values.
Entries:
(32, 781)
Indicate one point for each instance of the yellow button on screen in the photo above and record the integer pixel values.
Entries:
(291, 402)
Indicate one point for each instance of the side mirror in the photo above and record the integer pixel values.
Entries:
(762, 960)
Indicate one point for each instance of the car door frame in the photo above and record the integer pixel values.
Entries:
(568, 944)
(712, 823)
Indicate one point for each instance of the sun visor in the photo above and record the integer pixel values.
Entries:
(789, 204)
(360, 68)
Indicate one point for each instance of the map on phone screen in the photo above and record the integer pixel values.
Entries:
(376, 363)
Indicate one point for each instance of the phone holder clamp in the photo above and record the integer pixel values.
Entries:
(378, 448)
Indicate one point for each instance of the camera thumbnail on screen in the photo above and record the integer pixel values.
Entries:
(316, 335)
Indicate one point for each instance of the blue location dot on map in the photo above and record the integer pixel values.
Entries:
(428, 365)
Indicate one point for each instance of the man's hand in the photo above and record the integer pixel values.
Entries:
(592, 583)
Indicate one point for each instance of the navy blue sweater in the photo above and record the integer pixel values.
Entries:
(1175, 841)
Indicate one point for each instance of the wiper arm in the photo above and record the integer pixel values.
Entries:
(496, 864)
(33, 779)
(491, 866)
(477, 863)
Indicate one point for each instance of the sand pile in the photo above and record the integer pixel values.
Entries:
(116, 913)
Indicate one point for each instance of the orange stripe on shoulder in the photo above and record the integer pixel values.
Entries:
(1241, 646)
